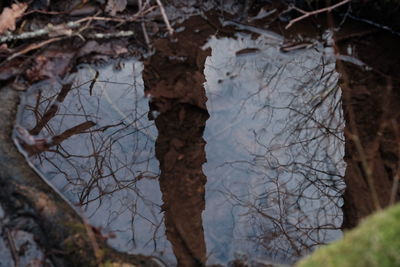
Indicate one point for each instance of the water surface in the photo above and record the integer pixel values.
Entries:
(261, 176)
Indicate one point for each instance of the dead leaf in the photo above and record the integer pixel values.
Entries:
(115, 6)
(86, 10)
(109, 49)
(10, 15)
(50, 64)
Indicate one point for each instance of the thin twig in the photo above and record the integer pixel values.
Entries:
(92, 238)
(307, 14)
(146, 36)
(164, 15)
(367, 169)
(131, 19)
(396, 178)
(111, 35)
(44, 12)
(13, 248)
(33, 47)
(395, 188)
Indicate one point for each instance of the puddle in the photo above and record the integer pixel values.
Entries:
(257, 176)
(99, 149)
(274, 149)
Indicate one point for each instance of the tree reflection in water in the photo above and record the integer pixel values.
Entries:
(274, 151)
(275, 141)
(108, 168)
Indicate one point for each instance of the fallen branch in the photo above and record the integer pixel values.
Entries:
(311, 13)
(36, 46)
(61, 29)
(65, 29)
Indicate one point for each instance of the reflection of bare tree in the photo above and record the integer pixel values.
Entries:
(40, 145)
(98, 150)
(43, 119)
(293, 192)
(284, 182)
(96, 167)
(295, 202)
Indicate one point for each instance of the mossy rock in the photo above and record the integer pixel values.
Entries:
(375, 242)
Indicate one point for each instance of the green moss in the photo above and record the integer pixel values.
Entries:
(375, 242)
(77, 227)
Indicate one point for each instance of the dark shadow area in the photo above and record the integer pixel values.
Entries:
(371, 97)
(174, 78)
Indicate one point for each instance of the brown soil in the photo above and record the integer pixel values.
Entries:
(176, 88)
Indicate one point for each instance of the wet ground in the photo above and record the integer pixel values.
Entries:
(223, 147)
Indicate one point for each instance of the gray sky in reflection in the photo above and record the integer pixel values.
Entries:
(267, 150)
(112, 172)
(274, 152)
